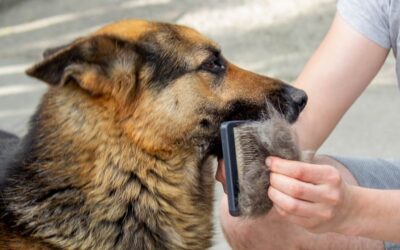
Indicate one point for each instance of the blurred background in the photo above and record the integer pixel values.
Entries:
(266, 36)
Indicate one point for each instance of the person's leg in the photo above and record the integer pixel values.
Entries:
(273, 232)
(372, 172)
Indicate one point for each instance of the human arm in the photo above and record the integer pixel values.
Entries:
(329, 99)
(337, 73)
(335, 76)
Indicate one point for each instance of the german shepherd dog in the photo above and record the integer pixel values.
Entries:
(118, 152)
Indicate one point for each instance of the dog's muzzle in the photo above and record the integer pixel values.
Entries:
(291, 102)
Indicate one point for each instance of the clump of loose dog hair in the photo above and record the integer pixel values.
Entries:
(254, 141)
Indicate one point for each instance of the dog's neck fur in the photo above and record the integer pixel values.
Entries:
(75, 185)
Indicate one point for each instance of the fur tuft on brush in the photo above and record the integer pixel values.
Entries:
(254, 142)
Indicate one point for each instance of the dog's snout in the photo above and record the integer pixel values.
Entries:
(298, 96)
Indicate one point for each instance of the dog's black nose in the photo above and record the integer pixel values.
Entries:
(299, 97)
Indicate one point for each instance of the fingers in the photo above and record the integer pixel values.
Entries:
(293, 206)
(316, 219)
(311, 173)
(310, 195)
(298, 189)
(307, 182)
(305, 222)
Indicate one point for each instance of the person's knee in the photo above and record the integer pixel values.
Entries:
(328, 160)
(269, 232)
(231, 229)
(325, 159)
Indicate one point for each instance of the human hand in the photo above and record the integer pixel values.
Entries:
(251, 233)
(312, 196)
(274, 231)
(220, 174)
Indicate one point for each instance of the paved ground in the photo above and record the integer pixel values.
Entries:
(270, 37)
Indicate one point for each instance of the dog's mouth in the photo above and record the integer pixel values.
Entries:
(241, 110)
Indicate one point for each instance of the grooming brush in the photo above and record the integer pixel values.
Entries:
(245, 146)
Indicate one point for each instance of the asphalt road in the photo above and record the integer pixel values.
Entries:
(269, 37)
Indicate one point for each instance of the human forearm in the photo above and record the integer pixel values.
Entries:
(337, 73)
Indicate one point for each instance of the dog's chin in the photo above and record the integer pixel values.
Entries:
(292, 114)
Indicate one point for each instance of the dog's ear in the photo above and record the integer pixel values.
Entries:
(98, 64)
(51, 51)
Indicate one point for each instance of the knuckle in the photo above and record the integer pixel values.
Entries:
(283, 213)
(334, 177)
(298, 191)
(311, 226)
(299, 173)
(292, 207)
(315, 226)
(333, 197)
(327, 215)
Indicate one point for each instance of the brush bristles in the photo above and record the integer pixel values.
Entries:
(254, 141)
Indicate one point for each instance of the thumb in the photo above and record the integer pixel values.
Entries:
(220, 174)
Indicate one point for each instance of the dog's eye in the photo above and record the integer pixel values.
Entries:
(214, 65)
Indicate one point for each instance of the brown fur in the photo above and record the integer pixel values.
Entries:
(118, 153)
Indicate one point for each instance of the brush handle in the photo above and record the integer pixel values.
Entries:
(231, 170)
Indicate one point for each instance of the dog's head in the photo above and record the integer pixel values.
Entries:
(168, 87)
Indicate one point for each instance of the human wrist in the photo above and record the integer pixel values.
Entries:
(359, 219)
(352, 218)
